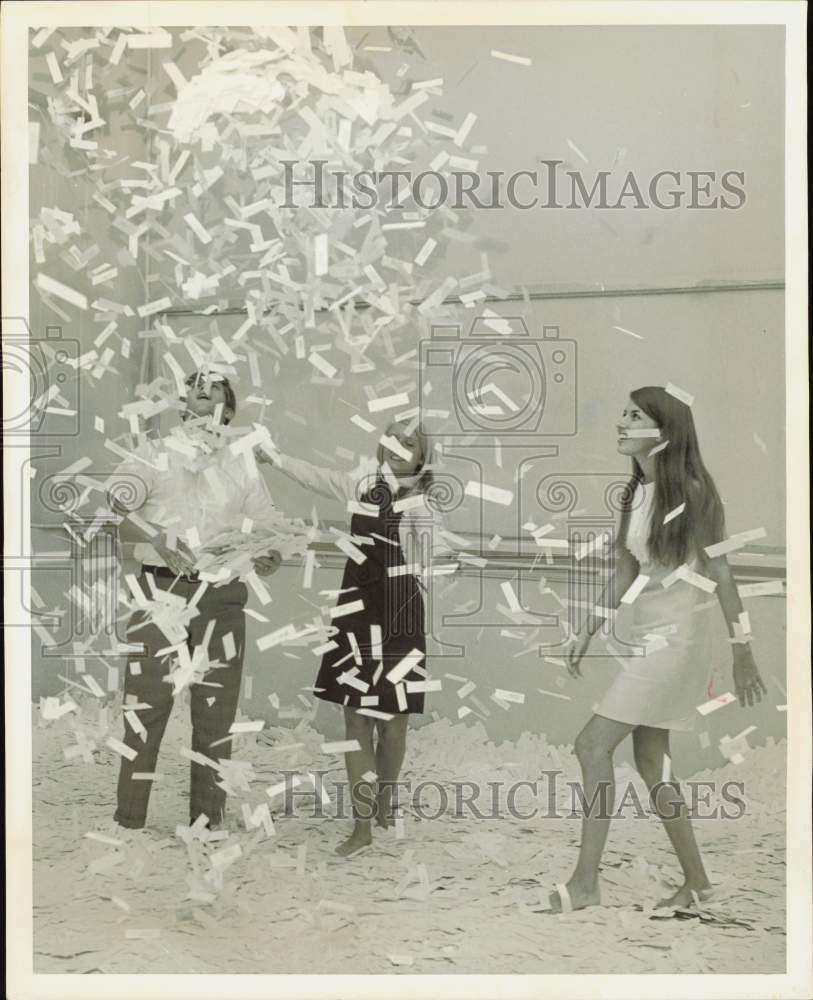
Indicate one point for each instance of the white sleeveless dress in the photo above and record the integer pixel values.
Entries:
(663, 687)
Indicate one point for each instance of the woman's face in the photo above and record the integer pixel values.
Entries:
(631, 440)
(406, 436)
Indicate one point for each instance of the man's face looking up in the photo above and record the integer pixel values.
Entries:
(204, 393)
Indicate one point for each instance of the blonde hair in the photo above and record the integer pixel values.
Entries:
(423, 470)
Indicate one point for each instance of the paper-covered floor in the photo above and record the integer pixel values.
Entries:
(451, 895)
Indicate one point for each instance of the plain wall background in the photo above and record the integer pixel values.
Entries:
(643, 99)
(724, 348)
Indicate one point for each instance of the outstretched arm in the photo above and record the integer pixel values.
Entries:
(328, 482)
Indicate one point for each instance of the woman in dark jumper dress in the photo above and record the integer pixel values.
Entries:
(375, 664)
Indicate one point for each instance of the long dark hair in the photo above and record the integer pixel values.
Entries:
(680, 477)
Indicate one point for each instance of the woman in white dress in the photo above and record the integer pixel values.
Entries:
(674, 513)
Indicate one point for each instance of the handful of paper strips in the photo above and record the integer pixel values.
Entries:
(231, 553)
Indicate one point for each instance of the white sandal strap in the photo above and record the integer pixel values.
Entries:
(702, 896)
(564, 898)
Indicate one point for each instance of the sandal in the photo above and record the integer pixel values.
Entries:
(565, 901)
(699, 896)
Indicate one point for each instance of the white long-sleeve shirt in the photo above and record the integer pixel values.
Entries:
(211, 494)
(421, 531)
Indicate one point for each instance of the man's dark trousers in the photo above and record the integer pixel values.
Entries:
(150, 685)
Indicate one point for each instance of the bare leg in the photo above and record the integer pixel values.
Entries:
(594, 747)
(389, 756)
(651, 745)
(358, 762)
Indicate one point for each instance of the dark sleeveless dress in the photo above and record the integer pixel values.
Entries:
(392, 602)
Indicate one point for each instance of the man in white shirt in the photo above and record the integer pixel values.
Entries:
(190, 485)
